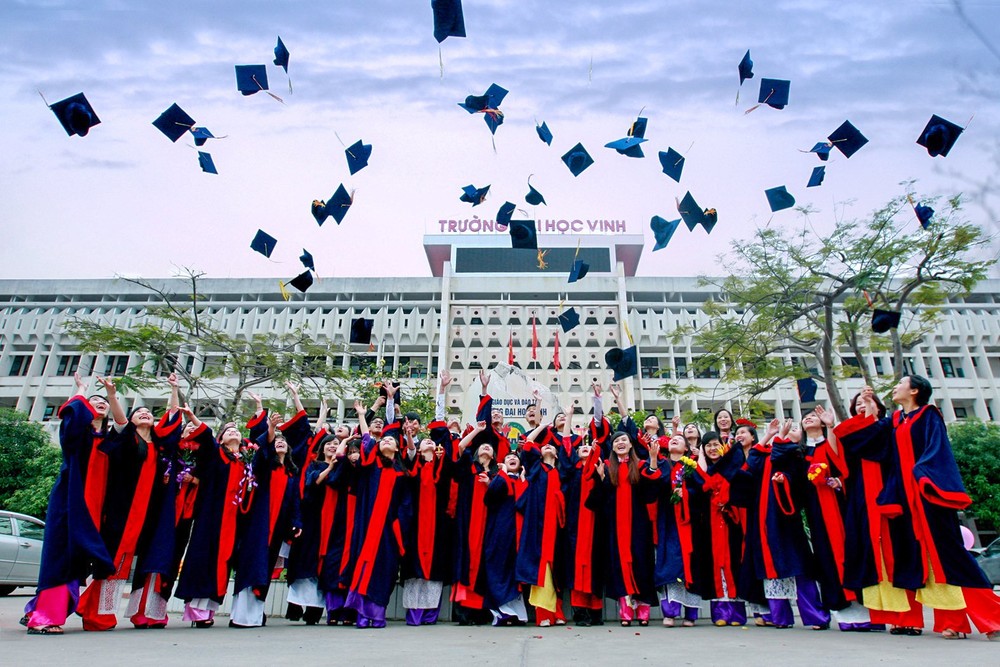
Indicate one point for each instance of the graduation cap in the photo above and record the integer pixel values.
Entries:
(448, 19)
(174, 122)
(817, 176)
(746, 67)
(523, 234)
(624, 363)
(847, 139)
(883, 320)
(206, 162)
(939, 135)
(577, 159)
(710, 217)
(473, 195)
(251, 79)
(201, 135)
(534, 197)
(663, 230)
(779, 198)
(487, 104)
(569, 319)
(774, 92)
(822, 150)
(579, 270)
(75, 115)
(361, 330)
(281, 55)
(357, 156)
(307, 260)
(505, 213)
(302, 282)
(691, 213)
(924, 214)
(263, 243)
(629, 146)
(544, 133)
(672, 163)
(336, 206)
(807, 392)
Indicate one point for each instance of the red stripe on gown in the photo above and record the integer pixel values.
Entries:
(583, 557)
(477, 529)
(227, 531)
(430, 473)
(136, 515)
(373, 534)
(623, 514)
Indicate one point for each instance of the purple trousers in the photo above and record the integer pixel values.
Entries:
(730, 612)
(370, 615)
(422, 616)
(672, 609)
(810, 607)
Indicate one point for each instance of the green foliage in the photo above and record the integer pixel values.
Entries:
(977, 452)
(29, 464)
(418, 394)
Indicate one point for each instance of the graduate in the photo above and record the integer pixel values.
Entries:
(498, 583)
(72, 548)
(724, 423)
(494, 434)
(622, 491)
(187, 496)
(923, 487)
(652, 426)
(335, 573)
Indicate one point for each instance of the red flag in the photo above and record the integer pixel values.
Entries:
(555, 357)
(510, 350)
(534, 338)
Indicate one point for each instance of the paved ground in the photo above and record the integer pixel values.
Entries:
(284, 643)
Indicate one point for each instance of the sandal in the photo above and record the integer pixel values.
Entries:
(46, 630)
(644, 622)
(825, 626)
(203, 624)
(688, 624)
(626, 624)
(954, 634)
(668, 622)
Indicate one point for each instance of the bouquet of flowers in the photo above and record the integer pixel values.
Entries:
(247, 453)
(818, 473)
(186, 458)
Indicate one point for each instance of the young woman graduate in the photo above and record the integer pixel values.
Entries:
(138, 460)
(72, 549)
(377, 543)
(674, 570)
(925, 488)
(724, 424)
(335, 573)
(498, 582)
(622, 491)
(427, 563)
(776, 549)
(652, 427)
(723, 555)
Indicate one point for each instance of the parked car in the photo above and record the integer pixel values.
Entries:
(20, 550)
(989, 560)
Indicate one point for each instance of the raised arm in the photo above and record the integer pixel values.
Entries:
(470, 436)
(293, 391)
(440, 404)
(175, 395)
(362, 422)
(117, 411)
(324, 410)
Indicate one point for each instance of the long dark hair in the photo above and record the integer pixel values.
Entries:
(732, 421)
(878, 403)
(633, 461)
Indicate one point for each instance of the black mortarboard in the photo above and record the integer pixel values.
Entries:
(473, 195)
(924, 214)
(251, 79)
(883, 320)
(174, 122)
(672, 163)
(263, 243)
(939, 136)
(336, 206)
(774, 92)
(822, 150)
(75, 115)
(302, 282)
(638, 128)
(578, 271)
(691, 213)
(746, 67)
(807, 392)
(201, 135)
(663, 230)
(448, 19)
(357, 156)
(847, 139)
(523, 234)
(779, 198)
(544, 133)
(488, 104)
(577, 159)
(817, 176)
(361, 331)
(505, 213)
(206, 162)
(624, 363)
(281, 55)
(569, 319)
(307, 260)
(534, 197)
(709, 217)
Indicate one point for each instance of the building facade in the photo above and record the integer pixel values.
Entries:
(478, 304)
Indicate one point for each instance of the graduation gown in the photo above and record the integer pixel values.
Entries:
(470, 519)
(335, 573)
(582, 558)
(498, 583)
(674, 533)
(825, 509)
(72, 548)
(429, 530)
(543, 507)
(722, 552)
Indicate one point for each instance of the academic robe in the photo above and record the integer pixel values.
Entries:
(825, 509)
(722, 552)
(582, 558)
(866, 529)
(184, 509)
(72, 548)
(498, 582)
(543, 508)
(335, 573)
(470, 519)
(499, 441)
(923, 488)
(429, 531)
(306, 555)
(674, 534)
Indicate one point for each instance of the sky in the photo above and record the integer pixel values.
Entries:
(126, 201)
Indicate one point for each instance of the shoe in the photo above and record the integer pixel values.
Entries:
(825, 626)
(736, 624)
(203, 624)
(720, 623)
(909, 632)
(668, 622)
(46, 630)
(626, 624)
(954, 634)
(560, 621)
(24, 620)
(687, 624)
(779, 627)
(644, 622)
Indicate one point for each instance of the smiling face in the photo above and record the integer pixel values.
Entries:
(621, 445)
(342, 431)
(230, 435)
(560, 421)
(713, 449)
(388, 447)
(677, 445)
(512, 463)
(485, 451)
(330, 448)
(142, 417)
(903, 393)
(811, 423)
(280, 445)
(724, 420)
(100, 405)
(583, 451)
(691, 433)
(375, 428)
(496, 418)
(651, 424)
(744, 437)
(549, 450)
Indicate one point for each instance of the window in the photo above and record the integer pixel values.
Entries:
(50, 411)
(948, 368)
(314, 365)
(68, 364)
(878, 365)
(6, 528)
(19, 365)
(30, 529)
(961, 413)
(680, 367)
(649, 367)
(116, 365)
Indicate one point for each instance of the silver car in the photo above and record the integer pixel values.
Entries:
(20, 550)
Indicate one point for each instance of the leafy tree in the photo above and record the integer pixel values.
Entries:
(977, 452)
(801, 294)
(418, 395)
(29, 464)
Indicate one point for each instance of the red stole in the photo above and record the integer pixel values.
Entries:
(583, 557)
(373, 534)
(279, 482)
(96, 483)
(227, 531)
(555, 518)
(623, 527)
(136, 514)
(430, 475)
(477, 526)
(828, 505)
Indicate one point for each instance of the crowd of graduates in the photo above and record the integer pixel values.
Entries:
(855, 522)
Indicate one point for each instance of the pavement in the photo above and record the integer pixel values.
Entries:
(282, 642)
